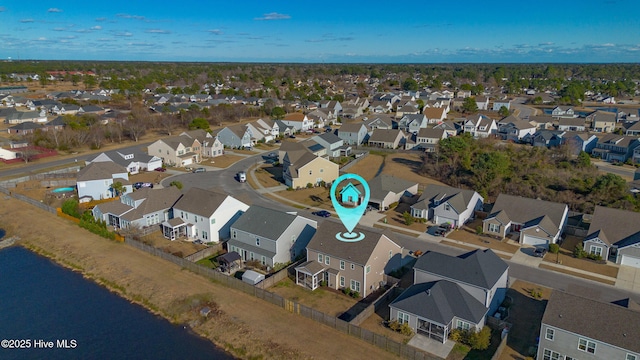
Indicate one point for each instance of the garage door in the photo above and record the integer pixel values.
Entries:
(630, 261)
(534, 241)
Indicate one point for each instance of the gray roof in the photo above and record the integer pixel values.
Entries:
(440, 301)
(385, 135)
(264, 222)
(571, 122)
(329, 137)
(431, 133)
(351, 127)
(459, 199)
(200, 201)
(175, 141)
(382, 184)
(605, 116)
(100, 170)
(482, 268)
(324, 241)
(153, 200)
(521, 210)
(589, 317)
(613, 225)
(27, 125)
(119, 158)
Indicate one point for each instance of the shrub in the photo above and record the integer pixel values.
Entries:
(479, 230)
(554, 248)
(355, 294)
(594, 257)
(405, 329)
(177, 184)
(480, 340)
(309, 185)
(71, 208)
(394, 325)
(456, 335)
(408, 219)
(579, 251)
(393, 205)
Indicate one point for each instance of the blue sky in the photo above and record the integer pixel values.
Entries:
(328, 31)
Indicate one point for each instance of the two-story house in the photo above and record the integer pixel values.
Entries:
(210, 146)
(235, 136)
(333, 144)
(203, 215)
(499, 104)
(447, 205)
(538, 222)
(480, 126)
(95, 181)
(298, 121)
(378, 122)
(614, 235)
(270, 236)
(612, 147)
(411, 123)
(602, 121)
(563, 112)
(572, 124)
(514, 129)
(353, 133)
(435, 115)
(575, 327)
(301, 167)
(428, 139)
(361, 266)
(178, 150)
(452, 293)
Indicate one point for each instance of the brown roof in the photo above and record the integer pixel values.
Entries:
(589, 318)
(100, 170)
(433, 113)
(522, 210)
(613, 224)
(294, 116)
(431, 133)
(200, 201)
(385, 135)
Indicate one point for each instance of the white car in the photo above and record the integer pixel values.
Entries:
(242, 176)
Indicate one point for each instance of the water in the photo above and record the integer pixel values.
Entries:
(63, 189)
(40, 300)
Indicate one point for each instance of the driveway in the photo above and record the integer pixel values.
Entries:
(628, 278)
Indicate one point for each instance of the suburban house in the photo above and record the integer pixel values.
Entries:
(568, 331)
(411, 123)
(581, 142)
(602, 121)
(203, 215)
(572, 124)
(361, 266)
(633, 129)
(299, 121)
(95, 181)
(333, 106)
(499, 104)
(181, 150)
(452, 293)
(612, 147)
(210, 146)
(563, 112)
(139, 209)
(387, 189)
(447, 205)
(301, 168)
(379, 122)
(614, 235)
(514, 129)
(545, 138)
(435, 115)
(134, 162)
(482, 102)
(25, 128)
(387, 138)
(450, 127)
(235, 136)
(538, 222)
(333, 144)
(269, 236)
(428, 139)
(19, 117)
(353, 133)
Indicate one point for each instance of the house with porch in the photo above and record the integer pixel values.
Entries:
(435, 115)
(379, 122)
(270, 236)
(361, 266)
(139, 209)
(181, 150)
(411, 123)
(615, 148)
(428, 139)
(480, 126)
(236, 136)
(387, 189)
(210, 145)
(447, 205)
(452, 292)
(133, 161)
(203, 215)
(299, 121)
(537, 222)
(95, 181)
(570, 330)
(514, 129)
(614, 235)
(572, 124)
(333, 144)
(452, 128)
(387, 138)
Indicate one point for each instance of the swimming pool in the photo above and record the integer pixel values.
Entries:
(63, 189)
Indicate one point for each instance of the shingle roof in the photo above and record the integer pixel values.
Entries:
(154, 200)
(385, 135)
(459, 199)
(264, 222)
(200, 201)
(440, 301)
(431, 133)
(351, 127)
(613, 225)
(522, 210)
(100, 170)
(382, 184)
(589, 317)
(482, 268)
(324, 241)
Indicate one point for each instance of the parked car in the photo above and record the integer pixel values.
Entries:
(199, 170)
(140, 185)
(161, 169)
(539, 252)
(272, 155)
(292, 136)
(242, 176)
(322, 213)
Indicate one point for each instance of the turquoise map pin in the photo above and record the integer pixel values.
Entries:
(351, 205)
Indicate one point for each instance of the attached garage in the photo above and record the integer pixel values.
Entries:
(630, 260)
(534, 241)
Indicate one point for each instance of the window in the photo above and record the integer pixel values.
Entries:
(586, 345)
(368, 269)
(263, 260)
(235, 234)
(353, 266)
(310, 172)
(596, 250)
(495, 228)
(390, 254)
(341, 281)
(251, 256)
(205, 235)
(326, 260)
(257, 242)
(631, 357)
(550, 355)
(462, 325)
(447, 207)
(355, 285)
(341, 264)
(403, 318)
(549, 333)
(320, 258)
(213, 221)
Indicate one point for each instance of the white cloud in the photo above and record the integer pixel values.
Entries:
(124, 33)
(274, 16)
(54, 10)
(129, 16)
(101, 19)
(158, 31)
(215, 32)
(26, 20)
(97, 27)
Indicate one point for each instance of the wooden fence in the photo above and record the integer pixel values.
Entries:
(204, 253)
(371, 309)
(381, 341)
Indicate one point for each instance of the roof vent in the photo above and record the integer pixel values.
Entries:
(428, 292)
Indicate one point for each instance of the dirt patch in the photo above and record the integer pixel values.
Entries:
(368, 167)
(179, 248)
(223, 161)
(525, 315)
(565, 257)
(405, 166)
(576, 274)
(313, 197)
(246, 326)
(330, 302)
(269, 176)
(468, 235)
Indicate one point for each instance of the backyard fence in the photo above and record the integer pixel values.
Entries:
(393, 291)
(28, 200)
(355, 161)
(204, 253)
(501, 347)
(381, 341)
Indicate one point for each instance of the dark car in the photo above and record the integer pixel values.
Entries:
(161, 169)
(199, 170)
(292, 136)
(140, 185)
(539, 252)
(322, 213)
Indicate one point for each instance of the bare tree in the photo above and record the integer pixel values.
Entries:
(135, 127)
(96, 136)
(168, 123)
